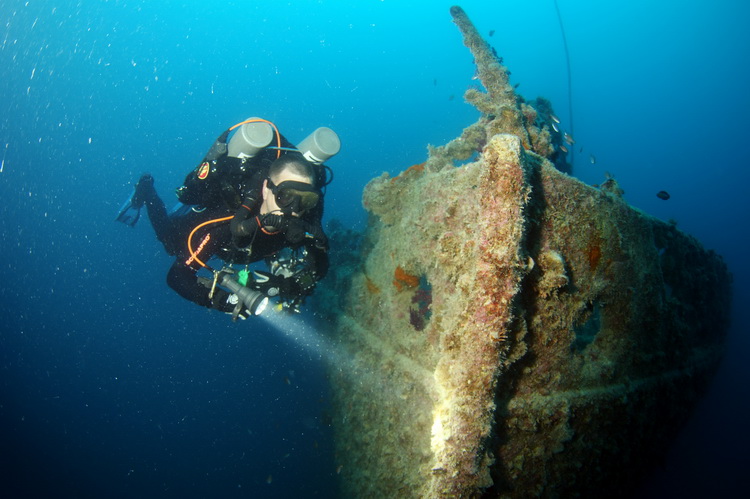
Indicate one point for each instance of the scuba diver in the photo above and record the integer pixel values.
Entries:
(247, 201)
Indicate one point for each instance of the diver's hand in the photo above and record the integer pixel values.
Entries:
(296, 230)
(318, 236)
(239, 311)
(226, 302)
(267, 283)
(293, 228)
(290, 288)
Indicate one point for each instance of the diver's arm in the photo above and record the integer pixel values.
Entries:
(292, 289)
(319, 263)
(183, 275)
(183, 279)
(244, 224)
(303, 283)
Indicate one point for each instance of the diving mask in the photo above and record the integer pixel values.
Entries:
(296, 197)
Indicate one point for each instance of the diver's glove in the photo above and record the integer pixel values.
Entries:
(243, 226)
(315, 232)
(289, 289)
(228, 303)
(293, 228)
(267, 283)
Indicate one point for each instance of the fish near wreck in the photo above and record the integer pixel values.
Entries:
(568, 338)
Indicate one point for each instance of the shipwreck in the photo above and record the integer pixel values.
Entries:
(511, 331)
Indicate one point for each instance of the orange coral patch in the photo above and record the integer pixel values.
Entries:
(402, 279)
(418, 168)
(595, 254)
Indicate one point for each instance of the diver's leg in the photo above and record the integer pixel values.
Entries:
(145, 194)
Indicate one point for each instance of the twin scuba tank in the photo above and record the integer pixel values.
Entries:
(256, 134)
(227, 168)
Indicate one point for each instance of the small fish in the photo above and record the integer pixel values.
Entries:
(339, 468)
(554, 127)
(434, 81)
(492, 32)
(593, 159)
(663, 195)
(563, 148)
(568, 138)
(269, 479)
(554, 118)
(287, 380)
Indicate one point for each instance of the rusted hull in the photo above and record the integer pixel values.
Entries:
(512, 331)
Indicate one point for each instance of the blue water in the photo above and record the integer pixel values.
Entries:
(113, 386)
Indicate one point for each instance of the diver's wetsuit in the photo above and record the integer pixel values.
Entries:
(173, 232)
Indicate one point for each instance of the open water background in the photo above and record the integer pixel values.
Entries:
(112, 386)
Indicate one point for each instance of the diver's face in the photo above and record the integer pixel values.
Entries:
(269, 204)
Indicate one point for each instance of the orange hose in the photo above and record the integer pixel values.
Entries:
(190, 238)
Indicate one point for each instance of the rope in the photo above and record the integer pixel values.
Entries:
(570, 85)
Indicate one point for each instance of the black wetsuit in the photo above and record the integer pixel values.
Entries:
(214, 238)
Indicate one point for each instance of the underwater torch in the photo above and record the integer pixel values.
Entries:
(254, 300)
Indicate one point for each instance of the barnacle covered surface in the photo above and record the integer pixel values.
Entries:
(509, 330)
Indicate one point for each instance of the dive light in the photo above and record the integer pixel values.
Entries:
(254, 300)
